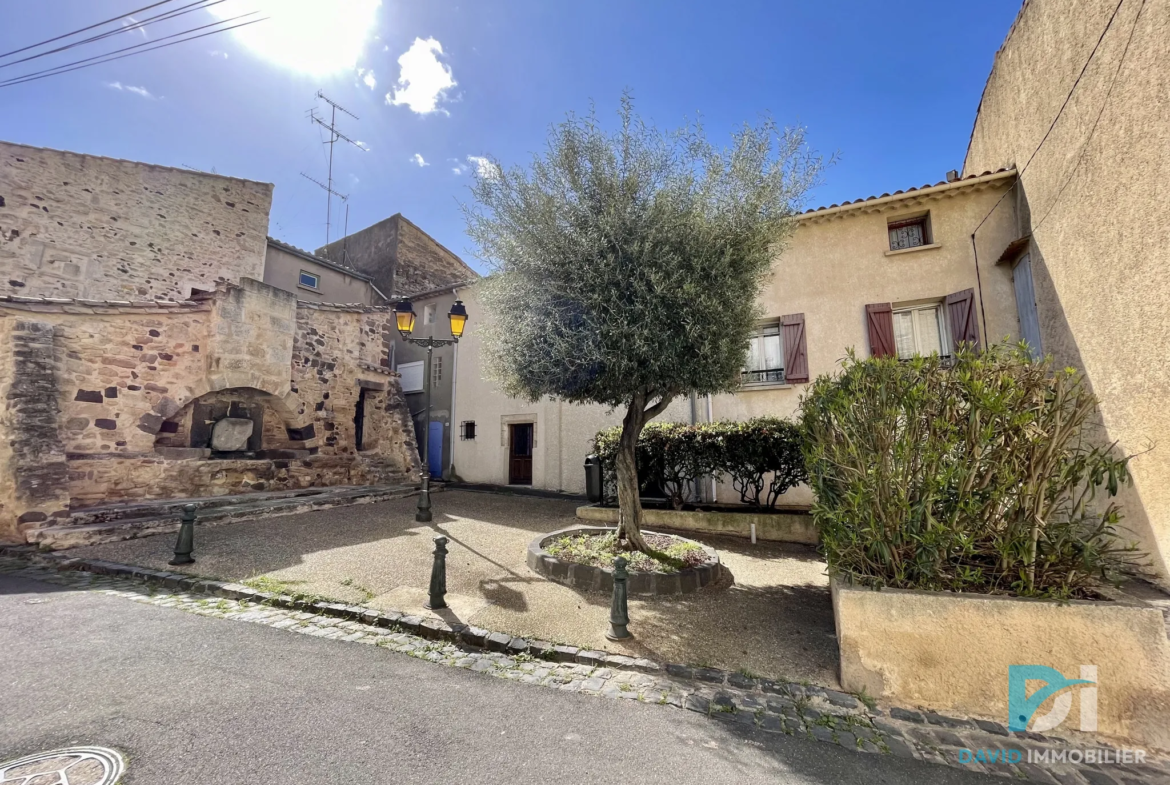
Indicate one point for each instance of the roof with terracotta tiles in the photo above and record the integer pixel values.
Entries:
(922, 190)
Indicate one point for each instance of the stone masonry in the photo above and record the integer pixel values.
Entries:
(84, 226)
(402, 259)
(133, 320)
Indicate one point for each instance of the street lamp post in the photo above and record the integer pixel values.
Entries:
(404, 318)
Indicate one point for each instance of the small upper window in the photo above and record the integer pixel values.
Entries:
(310, 280)
(436, 370)
(910, 233)
(765, 361)
(921, 330)
(467, 429)
(428, 314)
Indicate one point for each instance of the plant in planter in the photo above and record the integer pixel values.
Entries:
(978, 477)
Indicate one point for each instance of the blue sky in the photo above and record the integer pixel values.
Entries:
(890, 87)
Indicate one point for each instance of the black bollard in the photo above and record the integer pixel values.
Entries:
(438, 576)
(185, 545)
(619, 614)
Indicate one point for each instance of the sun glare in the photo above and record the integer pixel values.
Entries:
(311, 36)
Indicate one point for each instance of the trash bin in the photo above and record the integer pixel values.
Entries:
(593, 478)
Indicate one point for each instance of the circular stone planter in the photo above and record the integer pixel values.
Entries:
(587, 578)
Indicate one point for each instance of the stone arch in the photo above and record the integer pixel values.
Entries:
(281, 421)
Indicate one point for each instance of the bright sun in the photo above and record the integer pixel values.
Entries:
(311, 36)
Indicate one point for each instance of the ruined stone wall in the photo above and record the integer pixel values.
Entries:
(100, 402)
(338, 353)
(74, 225)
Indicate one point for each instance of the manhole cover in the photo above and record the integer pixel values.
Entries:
(72, 766)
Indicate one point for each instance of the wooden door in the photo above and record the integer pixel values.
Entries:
(520, 454)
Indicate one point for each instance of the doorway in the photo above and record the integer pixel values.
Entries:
(520, 454)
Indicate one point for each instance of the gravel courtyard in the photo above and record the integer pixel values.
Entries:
(776, 620)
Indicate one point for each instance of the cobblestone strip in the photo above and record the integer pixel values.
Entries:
(802, 710)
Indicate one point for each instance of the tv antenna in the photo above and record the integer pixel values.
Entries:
(334, 137)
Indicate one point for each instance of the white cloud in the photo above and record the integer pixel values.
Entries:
(423, 80)
(459, 169)
(368, 79)
(142, 91)
(307, 36)
(217, 53)
(483, 166)
(362, 145)
(418, 159)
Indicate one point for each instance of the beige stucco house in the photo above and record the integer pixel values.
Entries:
(895, 273)
(1056, 233)
(314, 278)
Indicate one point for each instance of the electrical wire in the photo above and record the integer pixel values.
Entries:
(82, 30)
(79, 63)
(180, 11)
(85, 64)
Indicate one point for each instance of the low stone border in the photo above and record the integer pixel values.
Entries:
(800, 710)
(584, 577)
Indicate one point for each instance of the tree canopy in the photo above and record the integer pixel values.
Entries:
(630, 260)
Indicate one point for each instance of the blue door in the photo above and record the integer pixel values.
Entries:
(435, 450)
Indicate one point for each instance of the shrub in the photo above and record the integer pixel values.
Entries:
(759, 454)
(981, 476)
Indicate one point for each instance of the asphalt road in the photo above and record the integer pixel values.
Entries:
(191, 699)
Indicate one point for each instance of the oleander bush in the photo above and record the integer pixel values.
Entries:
(984, 475)
(762, 458)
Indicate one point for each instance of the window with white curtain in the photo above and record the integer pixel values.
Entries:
(765, 361)
(922, 330)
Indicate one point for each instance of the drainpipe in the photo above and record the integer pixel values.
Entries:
(714, 490)
(454, 381)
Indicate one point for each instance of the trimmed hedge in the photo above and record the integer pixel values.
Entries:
(982, 476)
(762, 457)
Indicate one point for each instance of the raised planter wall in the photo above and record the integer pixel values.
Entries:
(584, 577)
(951, 652)
(772, 527)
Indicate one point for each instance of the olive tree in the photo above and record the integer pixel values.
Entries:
(626, 263)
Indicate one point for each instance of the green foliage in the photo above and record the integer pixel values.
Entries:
(599, 550)
(763, 453)
(981, 476)
(627, 263)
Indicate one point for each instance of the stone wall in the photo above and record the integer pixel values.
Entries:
(401, 258)
(83, 226)
(105, 403)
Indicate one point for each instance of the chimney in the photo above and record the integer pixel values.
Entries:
(952, 175)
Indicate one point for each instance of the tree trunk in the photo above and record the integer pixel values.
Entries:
(629, 496)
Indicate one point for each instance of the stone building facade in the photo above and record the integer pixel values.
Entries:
(210, 383)
(74, 225)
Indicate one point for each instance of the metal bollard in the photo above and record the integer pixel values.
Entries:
(619, 614)
(438, 576)
(185, 545)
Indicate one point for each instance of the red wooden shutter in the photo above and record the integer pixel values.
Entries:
(795, 350)
(964, 321)
(879, 318)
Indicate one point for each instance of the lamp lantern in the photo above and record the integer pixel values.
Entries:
(458, 317)
(404, 317)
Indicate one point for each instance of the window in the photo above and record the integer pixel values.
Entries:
(910, 233)
(921, 329)
(428, 314)
(436, 370)
(310, 280)
(765, 356)
(467, 429)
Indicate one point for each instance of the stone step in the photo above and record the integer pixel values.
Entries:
(85, 531)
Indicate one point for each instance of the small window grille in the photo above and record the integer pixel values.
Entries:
(911, 233)
(467, 429)
(436, 370)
